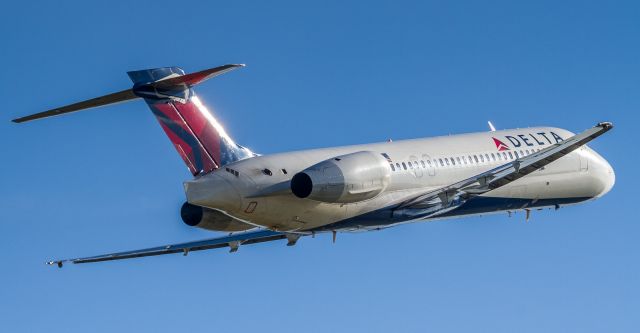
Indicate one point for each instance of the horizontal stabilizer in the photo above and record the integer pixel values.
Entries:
(121, 96)
(193, 79)
(175, 87)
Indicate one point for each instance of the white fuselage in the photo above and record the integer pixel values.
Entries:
(257, 190)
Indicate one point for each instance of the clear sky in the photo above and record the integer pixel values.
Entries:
(318, 74)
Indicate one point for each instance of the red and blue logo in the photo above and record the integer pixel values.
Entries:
(500, 145)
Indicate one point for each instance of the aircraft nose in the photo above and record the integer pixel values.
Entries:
(609, 179)
(603, 172)
(213, 191)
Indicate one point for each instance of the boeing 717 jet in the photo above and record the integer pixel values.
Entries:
(255, 198)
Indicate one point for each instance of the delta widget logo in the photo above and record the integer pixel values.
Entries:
(500, 145)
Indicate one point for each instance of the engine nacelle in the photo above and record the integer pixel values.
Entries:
(344, 179)
(210, 219)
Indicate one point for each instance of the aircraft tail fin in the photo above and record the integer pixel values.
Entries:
(200, 140)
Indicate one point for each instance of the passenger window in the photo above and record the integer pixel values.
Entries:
(475, 158)
(493, 157)
(458, 159)
(392, 167)
(527, 151)
(398, 166)
(487, 156)
(516, 154)
(423, 165)
(441, 163)
(453, 162)
(404, 166)
(446, 160)
(510, 156)
(410, 165)
(504, 155)
(481, 159)
(429, 162)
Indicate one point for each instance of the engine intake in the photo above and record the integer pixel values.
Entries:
(343, 179)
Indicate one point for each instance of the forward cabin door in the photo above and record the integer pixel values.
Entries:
(416, 167)
(431, 168)
(584, 161)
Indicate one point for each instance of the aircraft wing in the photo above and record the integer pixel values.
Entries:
(232, 241)
(442, 200)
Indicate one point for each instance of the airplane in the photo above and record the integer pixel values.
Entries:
(255, 198)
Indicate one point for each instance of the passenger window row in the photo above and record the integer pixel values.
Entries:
(468, 159)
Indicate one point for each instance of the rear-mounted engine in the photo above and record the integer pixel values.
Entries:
(343, 179)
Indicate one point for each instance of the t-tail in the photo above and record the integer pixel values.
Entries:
(200, 140)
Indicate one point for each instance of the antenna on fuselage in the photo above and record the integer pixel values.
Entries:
(491, 127)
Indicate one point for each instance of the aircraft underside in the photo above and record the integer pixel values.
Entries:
(383, 218)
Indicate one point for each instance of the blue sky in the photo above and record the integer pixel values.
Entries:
(319, 74)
